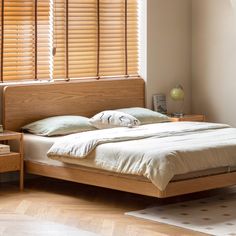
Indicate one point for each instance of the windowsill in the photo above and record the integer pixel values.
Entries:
(64, 80)
(25, 82)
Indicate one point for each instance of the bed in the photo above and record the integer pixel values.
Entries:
(23, 104)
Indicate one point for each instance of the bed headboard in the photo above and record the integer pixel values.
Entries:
(23, 104)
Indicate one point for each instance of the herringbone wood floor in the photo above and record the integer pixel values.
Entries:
(87, 208)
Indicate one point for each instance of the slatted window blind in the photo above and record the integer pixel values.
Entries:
(18, 39)
(82, 38)
(118, 37)
(59, 39)
(25, 40)
(132, 37)
(66, 39)
(43, 47)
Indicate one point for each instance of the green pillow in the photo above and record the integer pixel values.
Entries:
(59, 125)
(145, 116)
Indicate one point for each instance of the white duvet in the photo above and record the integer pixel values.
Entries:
(156, 151)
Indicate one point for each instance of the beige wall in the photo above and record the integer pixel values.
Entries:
(214, 59)
(168, 48)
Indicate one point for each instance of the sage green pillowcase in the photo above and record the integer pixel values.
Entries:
(59, 125)
(145, 116)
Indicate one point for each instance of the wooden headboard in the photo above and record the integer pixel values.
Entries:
(23, 104)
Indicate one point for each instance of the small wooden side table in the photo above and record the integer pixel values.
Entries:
(200, 118)
(12, 161)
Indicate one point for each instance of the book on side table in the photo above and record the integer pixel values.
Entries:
(4, 149)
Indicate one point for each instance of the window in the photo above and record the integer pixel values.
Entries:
(25, 40)
(18, 40)
(66, 39)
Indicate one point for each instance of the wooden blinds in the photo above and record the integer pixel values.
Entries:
(82, 38)
(25, 44)
(95, 38)
(63, 39)
(118, 37)
(43, 47)
(59, 39)
(18, 40)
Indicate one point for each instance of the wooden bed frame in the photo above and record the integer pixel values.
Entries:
(23, 104)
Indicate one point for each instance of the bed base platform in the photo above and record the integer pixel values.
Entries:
(111, 180)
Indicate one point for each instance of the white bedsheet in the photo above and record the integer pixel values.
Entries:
(160, 152)
(36, 148)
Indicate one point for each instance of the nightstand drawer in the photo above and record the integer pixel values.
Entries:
(10, 162)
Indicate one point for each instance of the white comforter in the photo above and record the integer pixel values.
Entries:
(156, 151)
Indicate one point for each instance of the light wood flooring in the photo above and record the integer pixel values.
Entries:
(97, 210)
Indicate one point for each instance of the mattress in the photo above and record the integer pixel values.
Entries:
(36, 148)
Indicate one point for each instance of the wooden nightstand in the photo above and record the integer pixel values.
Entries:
(12, 161)
(200, 118)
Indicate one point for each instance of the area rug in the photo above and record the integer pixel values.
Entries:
(215, 215)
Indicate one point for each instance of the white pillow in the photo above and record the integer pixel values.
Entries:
(111, 119)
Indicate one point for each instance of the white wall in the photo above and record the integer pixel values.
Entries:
(214, 59)
(168, 49)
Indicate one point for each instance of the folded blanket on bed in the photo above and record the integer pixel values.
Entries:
(156, 151)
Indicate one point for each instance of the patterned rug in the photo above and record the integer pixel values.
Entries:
(215, 215)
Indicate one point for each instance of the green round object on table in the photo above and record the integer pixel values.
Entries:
(177, 93)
